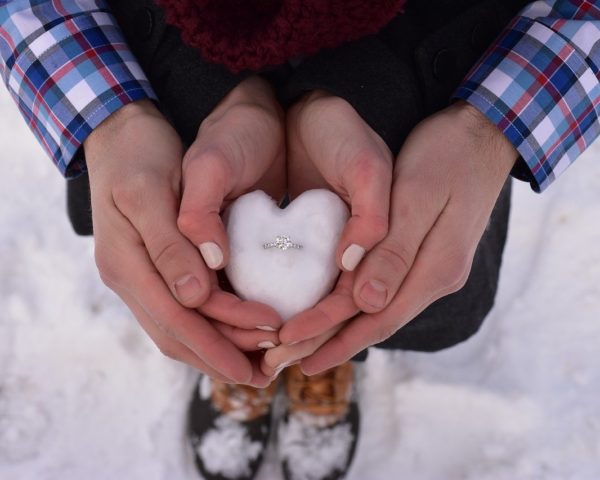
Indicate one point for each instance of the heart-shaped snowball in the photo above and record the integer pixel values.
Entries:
(285, 258)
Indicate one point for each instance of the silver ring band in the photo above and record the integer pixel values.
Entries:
(283, 243)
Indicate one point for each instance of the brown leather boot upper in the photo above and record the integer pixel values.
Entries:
(326, 394)
(242, 402)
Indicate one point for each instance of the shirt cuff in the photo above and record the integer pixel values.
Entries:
(67, 76)
(541, 92)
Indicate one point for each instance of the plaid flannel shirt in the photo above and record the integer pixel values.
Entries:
(539, 84)
(68, 68)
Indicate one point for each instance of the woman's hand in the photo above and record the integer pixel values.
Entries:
(240, 147)
(447, 179)
(331, 146)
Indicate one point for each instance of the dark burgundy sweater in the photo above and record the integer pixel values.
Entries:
(252, 34)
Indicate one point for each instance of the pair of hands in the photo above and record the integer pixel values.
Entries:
(415, 223)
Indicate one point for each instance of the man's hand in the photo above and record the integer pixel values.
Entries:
(447, 179)
(331, 146)
(135, 166)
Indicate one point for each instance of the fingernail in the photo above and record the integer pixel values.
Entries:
(186, 288)
(266, 328)
(212, 254)
(352, 257)
(374, 293)
(266, 344)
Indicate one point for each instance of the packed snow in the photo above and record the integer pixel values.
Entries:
(227, 449)
(296, 279)
(311, 452)
(84, 394)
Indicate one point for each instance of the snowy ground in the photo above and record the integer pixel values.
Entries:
(84, 394)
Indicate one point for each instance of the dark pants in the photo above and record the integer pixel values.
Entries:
(393, 79)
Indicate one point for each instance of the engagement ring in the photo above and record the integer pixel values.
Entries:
(282, 242)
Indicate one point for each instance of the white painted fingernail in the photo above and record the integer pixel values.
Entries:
(352, 257)
(266, 344)
(266, 328)
(212, 254)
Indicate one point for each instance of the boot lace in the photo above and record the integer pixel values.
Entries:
(325, 394)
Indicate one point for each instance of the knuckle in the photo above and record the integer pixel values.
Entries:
(106, 268)
(187, 222)
(166, 328)
(370, 164)
(385, 331)
(403, 209)
(196, 224)
(166, 254)
(201, 157)
(398, 255)
(370, 167)
(454, 275)
(174, 323)
(168, 351)
(129, 192)
(378, 226)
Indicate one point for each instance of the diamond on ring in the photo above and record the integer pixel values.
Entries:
(283, 243)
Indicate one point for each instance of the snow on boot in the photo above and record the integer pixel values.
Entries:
(229, 426)
(318, 433)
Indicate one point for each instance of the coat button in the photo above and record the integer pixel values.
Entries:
(444, 63)
(145, 23)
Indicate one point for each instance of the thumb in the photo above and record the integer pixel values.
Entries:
(205, 186)
(368, 183)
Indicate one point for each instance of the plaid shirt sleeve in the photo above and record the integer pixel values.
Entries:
(66, 64)
(539, 83)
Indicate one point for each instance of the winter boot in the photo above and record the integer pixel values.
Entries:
(229, 426)
(318, 433)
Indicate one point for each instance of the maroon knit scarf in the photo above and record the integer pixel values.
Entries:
(252, 34)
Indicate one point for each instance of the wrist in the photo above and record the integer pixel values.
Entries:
(113, 124)
(487, 137)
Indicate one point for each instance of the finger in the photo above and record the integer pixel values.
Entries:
(167, 346)
(128, 267)
(441, 267)
(258, 379)
(152, 210)
(386, 266)
(368, 182)
(205, 184)
(273, 373)
(190, 328)
(180, 352)
(333, 310)
(248, 340)
(282, 356)
(302, 173)
(232, 310)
